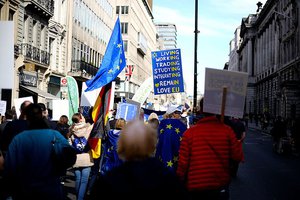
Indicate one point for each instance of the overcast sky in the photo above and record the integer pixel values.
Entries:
(217, 21)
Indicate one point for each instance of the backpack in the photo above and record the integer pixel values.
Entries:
(80, 144)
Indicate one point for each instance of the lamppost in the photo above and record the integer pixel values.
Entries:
(195, 57)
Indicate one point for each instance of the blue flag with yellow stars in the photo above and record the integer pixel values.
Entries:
(110, 155)
(170, 133)
(113, 61)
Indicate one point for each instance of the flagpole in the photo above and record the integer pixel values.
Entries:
(195, 57)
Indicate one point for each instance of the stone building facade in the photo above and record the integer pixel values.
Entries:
(31, 45)
(89, 30)
(270, 53)
(140, 38)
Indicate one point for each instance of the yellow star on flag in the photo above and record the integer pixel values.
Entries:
(177, 130)
(170, 164)
(175, 158)
(110, 71)
(118, 67)
(169, 126)
(161, 131)
(119, 45)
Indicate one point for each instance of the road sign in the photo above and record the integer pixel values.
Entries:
(63, 81)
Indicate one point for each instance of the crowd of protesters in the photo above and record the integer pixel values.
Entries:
(152, 156)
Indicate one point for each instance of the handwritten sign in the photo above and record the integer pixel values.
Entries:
(236, 84)
(167, 71)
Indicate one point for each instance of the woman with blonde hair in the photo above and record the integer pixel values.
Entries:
(140, 173)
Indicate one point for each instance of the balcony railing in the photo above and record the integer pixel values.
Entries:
(48, 5)
(44, 6)
(33, 53)
(84, 67)
(16, 50)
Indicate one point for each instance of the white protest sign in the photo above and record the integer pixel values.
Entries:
(7, 54)
(2, 107)
(144, 90)
(88, 98)
(236, 84)
(60, 107)
(19, 101)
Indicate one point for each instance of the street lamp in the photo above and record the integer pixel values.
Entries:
(195, 56)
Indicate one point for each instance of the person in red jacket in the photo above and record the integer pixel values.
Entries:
(204, 155)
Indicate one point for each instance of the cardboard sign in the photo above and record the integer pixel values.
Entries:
(60, 107)
(7, 54)
(144, 90)
(236, 84)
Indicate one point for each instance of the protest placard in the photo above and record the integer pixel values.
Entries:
(236, 87)
(127, 111)
(60, 107)
(167, 71)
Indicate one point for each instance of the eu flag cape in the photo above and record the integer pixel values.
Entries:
(170, 133)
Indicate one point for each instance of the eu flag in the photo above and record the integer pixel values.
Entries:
(170, 133)
(113, 61)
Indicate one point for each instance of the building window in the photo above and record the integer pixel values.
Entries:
(11, 15)
(124, 10)
(125, 45)
(0, 11)
(43, 37)
(34, 33)
(124, 28)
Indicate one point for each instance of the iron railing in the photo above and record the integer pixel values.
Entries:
(33, 53)
(84, 67)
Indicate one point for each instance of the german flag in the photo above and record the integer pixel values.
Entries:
(100, 118)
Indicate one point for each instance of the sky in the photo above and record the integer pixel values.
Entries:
(217, 22)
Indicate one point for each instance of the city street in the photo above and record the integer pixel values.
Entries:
(264, 175)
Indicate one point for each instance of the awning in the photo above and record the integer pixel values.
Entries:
(39, 92)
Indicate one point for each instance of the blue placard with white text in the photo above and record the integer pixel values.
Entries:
(127, 111)
(167, 71)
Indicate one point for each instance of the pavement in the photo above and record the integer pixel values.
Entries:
(253, 126)
(69, 185)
